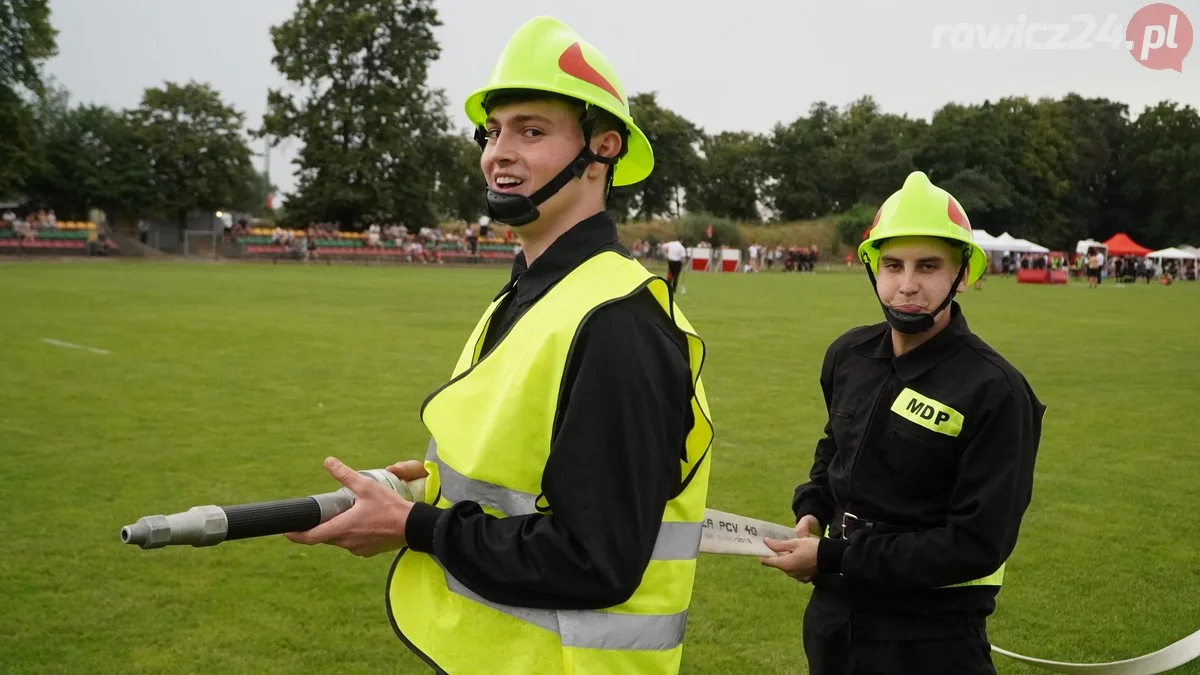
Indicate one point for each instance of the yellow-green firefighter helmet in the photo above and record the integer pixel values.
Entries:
(921, 209)
(545, 54)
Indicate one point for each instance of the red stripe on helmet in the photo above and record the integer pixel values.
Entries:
(867, 232)
(956, 215)
(572, 63)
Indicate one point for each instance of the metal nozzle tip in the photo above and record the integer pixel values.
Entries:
(137, 534)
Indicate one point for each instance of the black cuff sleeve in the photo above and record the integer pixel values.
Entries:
(829, 555)
(813, 506)
(419, 527)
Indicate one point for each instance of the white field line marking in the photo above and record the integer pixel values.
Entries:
(59, 343)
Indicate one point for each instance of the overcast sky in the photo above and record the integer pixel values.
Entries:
(724, 64)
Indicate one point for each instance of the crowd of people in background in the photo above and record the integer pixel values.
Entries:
(29, 225)
(424, 245)
(1095, 266)
(26, 227)
(758, 258)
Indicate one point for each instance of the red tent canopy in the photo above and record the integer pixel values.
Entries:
(1121, 244)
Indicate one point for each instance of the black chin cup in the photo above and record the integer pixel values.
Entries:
(907, 322)
(912, 323)
(517, 210)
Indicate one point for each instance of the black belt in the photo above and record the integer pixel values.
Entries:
(849, 524)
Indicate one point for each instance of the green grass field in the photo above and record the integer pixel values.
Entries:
(231, 383)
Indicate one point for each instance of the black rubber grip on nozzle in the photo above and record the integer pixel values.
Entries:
(267, 518)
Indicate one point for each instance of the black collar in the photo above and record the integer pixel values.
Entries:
(917, 362)
(587, 238)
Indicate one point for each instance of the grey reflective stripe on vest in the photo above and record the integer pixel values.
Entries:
(591, 629)
(576, 628)
(676, 541)
(457, 487)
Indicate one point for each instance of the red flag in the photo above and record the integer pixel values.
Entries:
(709, 231)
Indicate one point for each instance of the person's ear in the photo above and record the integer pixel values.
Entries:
(605, 144)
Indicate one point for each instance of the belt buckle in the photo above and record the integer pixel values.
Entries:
(851, 516)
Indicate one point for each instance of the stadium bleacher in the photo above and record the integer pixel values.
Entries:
(352, 245)
(68, 237)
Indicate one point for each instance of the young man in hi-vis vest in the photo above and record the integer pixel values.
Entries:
(926, 466)
(569, 461)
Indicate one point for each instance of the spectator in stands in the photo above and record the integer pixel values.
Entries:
(26, 230)
(373, 236)
(310, 252)
(432, 252)
(9, 217)
(472, 240)
(416, 250)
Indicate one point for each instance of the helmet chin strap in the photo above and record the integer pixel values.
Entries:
(912, 323)
(517, 210)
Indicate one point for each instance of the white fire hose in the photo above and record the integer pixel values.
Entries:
(723, 533)
(730, 534)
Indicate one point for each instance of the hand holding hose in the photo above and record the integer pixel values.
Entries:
(375, 523)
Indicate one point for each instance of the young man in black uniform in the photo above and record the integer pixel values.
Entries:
(568, 473)
(926, 467)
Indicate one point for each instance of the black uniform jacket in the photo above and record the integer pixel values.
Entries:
(624, 411)
(933, 451)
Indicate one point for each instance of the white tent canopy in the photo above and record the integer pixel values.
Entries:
(1030, 247)
(1190, 249)
(992, 244)
(1083, 245)
(1006, 243)
(982, 239)
(1173, 253)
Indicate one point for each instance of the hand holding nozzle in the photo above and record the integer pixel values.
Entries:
(211, 525)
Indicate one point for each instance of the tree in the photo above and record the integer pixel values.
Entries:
(979, 190)
(460, 183)
(1046, 157)
(26, 40)
(197, 153)
(370, 125)
(731, 176)
(969, 148)
(842, 161)
(252, 198)
(60, 177)
(676, 161)
(852, 225)
(885, 156)
(798, 186)
(88, 156)
(1161, 175)
(1098, 129)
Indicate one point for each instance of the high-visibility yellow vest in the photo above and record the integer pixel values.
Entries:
(491, 426)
